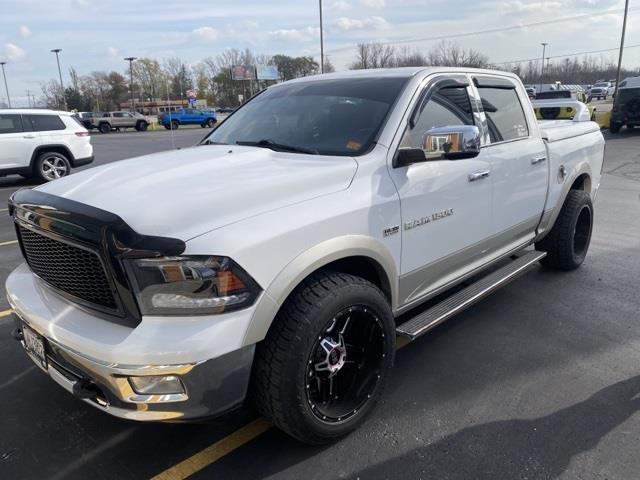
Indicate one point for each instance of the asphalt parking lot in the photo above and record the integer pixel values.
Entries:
(540, 380)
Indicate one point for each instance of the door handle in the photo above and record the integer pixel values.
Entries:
(478, 175)
(29, 136)
(539, 159)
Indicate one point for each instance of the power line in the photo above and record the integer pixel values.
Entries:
(494, 30)
(566, 55)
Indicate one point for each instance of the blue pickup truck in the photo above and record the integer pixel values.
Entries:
(187, 116)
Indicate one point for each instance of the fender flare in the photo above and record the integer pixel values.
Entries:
(310, 261)
(550, 216)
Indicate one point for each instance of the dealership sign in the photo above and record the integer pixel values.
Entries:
(267, 72)
(243, 72)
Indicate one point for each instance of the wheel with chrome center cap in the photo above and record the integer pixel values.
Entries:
(325, 361)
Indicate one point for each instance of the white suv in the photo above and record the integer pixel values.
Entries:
(42, 143)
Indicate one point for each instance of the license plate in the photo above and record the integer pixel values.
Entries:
(34, 344)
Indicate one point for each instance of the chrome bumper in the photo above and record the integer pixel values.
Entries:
(211, 387)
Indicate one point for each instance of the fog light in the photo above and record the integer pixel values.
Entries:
(160, 385)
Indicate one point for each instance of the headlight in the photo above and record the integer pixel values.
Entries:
(192, 285)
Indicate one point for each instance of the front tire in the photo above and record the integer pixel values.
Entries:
(568, 241)
(325, 361)
(174, 125)
(104, 128)
(142, 126)
(51, 166)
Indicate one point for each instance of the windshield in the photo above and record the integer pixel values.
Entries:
(328, 117)
(601, 85)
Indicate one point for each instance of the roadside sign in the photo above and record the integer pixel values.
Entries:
(267, 72)
(243, 72)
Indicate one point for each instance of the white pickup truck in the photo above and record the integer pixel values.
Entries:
(273, 261)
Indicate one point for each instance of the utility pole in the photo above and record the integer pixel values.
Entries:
(64, 100)
(544, 49)
(5, 83)
(130, 60)
(29, 98)
(624, 29)
(321, 39)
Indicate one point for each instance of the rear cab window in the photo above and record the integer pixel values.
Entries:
(505, 115)
(10, 123)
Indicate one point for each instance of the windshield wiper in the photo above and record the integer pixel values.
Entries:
(211, 142)
(268, 143)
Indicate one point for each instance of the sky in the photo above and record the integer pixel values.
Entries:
(97, 35)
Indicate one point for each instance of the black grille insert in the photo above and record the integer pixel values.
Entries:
(70, 269)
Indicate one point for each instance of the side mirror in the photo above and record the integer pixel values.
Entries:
(452, 143)
(442, 143)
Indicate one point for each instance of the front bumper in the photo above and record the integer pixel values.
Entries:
(211, 387)
(207, 354)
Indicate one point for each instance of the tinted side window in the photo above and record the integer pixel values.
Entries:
(44, 123)
(10, 124)
(448, 107)
(118, 115)
(504, 112)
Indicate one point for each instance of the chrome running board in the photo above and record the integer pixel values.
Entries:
(425, 321)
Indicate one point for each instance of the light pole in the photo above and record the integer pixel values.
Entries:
(57, 51)
(624, 29)
(544, 49)
(321, 39)
(5, 83)
(130, 60)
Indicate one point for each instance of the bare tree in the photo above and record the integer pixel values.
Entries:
(451, 54)
(373, 55)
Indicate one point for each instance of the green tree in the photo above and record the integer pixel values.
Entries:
(294, 67)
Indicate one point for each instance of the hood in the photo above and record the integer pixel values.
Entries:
(185, 193)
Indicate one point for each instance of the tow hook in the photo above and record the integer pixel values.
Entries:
(87, 390)
(17, 335)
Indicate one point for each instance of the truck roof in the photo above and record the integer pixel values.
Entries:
(33, 111)
(403, 72)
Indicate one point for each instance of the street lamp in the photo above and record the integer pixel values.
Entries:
(130, 60)
(544, 49)
(57, 51)
(321, 39)
(5, 83)
(624, 29)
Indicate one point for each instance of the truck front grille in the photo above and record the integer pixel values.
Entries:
(68, 268)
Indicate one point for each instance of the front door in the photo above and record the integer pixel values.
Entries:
(445, 204)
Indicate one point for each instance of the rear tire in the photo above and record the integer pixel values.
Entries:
(104, 128)
(325, 361)
(175, 125)
(210, 122)
(142, 126)
(568, 241)
(51, 166)
(614, 128)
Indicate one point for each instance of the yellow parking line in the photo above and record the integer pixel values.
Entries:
(4, 313)
(216, 451)
(10, 242)
(228, 444)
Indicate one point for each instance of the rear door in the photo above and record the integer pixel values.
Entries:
(50, 128)
(16, 144)
(519, 166)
